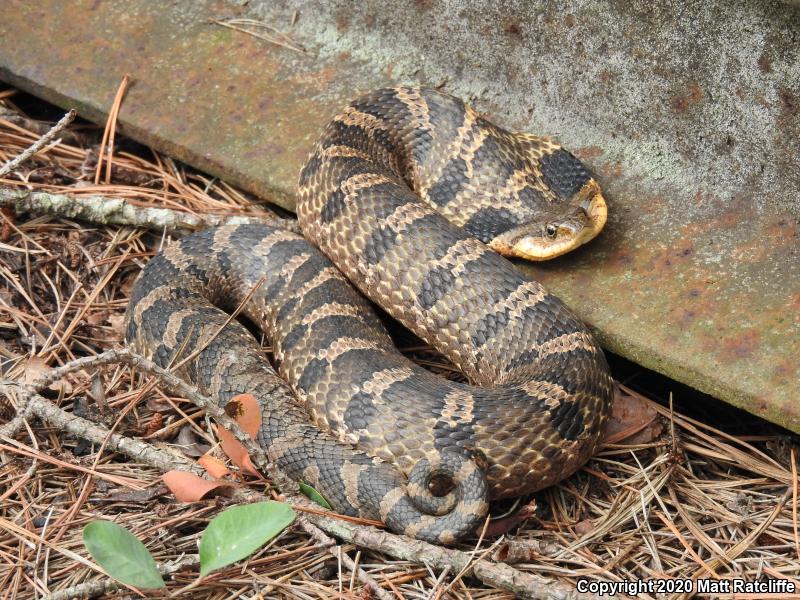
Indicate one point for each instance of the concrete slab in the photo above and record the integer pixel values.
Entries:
(689, 112)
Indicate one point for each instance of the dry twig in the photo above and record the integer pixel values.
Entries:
(38, 144)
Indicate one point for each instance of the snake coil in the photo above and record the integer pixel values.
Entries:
(351, 416)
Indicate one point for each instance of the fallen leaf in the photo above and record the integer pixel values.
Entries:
(158, 405)
(742, 504)
(189, 442)
(584, 527)
(244, 409)
(633, 420)
(516, 551)
(117, 323)
(97, 317)
(234, 450)
(248, 467)
(98, 391)
(213, 466)
(37, 367)
(188, 487)
(126, 287)
(126, 495)
(503, 525)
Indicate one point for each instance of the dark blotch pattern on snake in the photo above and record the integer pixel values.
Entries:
(354, 418)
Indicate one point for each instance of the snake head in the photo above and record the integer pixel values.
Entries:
(557, 234)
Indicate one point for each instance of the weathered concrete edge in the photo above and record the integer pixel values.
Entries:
(284, 198)
(703, 382)
(92, 112)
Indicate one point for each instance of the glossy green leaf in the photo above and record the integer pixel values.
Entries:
(241, 530)
(314, 495)
(121, 555)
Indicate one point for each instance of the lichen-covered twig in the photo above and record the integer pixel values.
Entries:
(91, 589)
(38, 144)
(35, 405)
(116, 211)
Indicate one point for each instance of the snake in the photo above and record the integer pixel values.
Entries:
(412, 201)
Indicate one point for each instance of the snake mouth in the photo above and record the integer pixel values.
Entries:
(543, 242)
(596, 211)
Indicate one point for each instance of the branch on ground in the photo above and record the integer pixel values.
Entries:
(117, 211)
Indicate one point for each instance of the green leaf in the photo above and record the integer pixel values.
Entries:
(314, 495)
(121, 555)
(241, 530)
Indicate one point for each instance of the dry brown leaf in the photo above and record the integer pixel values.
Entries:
(584, 527)
(190, 443)
(213, 466)
(523, 550)
(632, 420)
(502, 526)
(158, 405)
(97, 317)
(188, 487)
(234, 450)
(36, 367)
(126, 495)
(117, 323)
(244, 409)
(126, 286)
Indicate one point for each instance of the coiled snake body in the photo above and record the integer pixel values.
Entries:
(540, 391)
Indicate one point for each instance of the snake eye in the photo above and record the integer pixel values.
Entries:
(551, 230)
